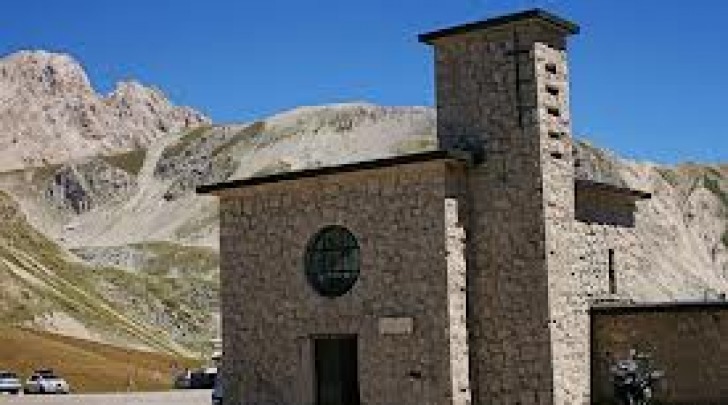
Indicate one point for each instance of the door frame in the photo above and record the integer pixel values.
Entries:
(313, 365)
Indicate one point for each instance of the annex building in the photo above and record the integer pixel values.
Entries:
(469, 274)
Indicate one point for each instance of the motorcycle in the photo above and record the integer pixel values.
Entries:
(635, 379)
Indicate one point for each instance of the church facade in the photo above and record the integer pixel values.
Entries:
(455, 276)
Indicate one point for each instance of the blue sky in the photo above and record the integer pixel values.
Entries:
(649, 78)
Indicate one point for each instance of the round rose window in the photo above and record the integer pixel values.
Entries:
(332, 261)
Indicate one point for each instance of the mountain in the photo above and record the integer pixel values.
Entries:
(683, 229)
(122, 226)
(44, 284)
(49, 112)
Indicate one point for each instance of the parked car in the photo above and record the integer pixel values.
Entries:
(182, 380)
(202, 378)
(9, 382)
(217, 391)
(46, 382)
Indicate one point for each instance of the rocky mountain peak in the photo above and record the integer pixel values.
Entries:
(44, 71)
(50, 113)
(133, 92)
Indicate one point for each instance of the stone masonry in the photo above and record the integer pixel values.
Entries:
(503, 90)
(479, 261)
(270, 312)
(686, 342)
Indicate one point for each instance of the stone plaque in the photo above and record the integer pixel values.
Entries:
(396, 326)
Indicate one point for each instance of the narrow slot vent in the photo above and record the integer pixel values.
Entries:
(551, 68)
(555, 134)
(611, 272)
(553, 111)
(557, 155)
(553, 90)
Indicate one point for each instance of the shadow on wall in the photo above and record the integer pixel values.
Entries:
(685, 340)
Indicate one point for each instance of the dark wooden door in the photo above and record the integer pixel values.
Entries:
(337, 376)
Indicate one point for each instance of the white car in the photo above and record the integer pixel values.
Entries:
(9, 382)
(46, 383)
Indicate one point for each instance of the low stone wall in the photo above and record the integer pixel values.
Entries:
(686, 340)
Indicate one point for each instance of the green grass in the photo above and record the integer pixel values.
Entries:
(669, 175)
(244, 134)
(185, 141)
(414, 145)
(19, 302)
(191, 260)
(108, 299)
(694, 184)
(130, 162)
(273, 168)
(67, 286)
(153, 283)
(713, 185)
(206, 219)
(714, 171)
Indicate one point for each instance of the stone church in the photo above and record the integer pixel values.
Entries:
(468, 274)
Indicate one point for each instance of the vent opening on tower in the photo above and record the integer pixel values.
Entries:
(551, 68)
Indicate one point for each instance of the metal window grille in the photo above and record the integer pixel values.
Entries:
(332, 261)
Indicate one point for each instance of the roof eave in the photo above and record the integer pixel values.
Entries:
(537, 13)
(610, 188)
(345, 168)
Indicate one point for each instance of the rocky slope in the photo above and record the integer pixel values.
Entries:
(129, 218)
(41, 284)
(49, 112)
(683, 228)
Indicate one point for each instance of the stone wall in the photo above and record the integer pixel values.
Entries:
(591, 254)
(503, 91)
(687, 341)
(500, 318)
(567, 317)
(455, 250)
(590, 284)
(270, 312)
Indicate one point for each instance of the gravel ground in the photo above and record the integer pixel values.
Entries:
(192, 397)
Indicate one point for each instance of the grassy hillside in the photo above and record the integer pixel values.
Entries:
(143, 266)
(86, 365)
(171, 286)
(38, 279)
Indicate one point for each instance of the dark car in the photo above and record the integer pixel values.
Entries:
(217, 391)
(182, 380)
(203, 378)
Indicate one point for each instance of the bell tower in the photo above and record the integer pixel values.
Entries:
(502, 94)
